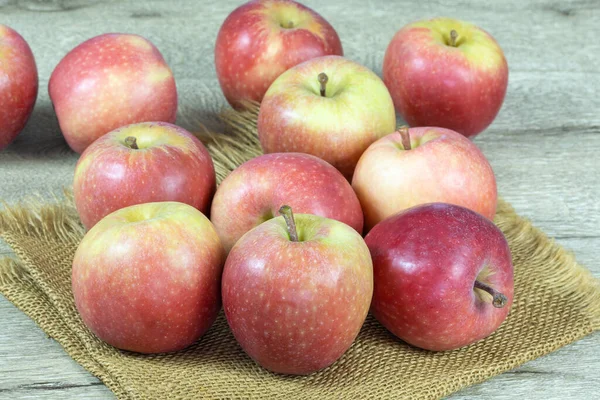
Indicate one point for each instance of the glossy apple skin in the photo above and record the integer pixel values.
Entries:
(425, 263)
(442, 166)
(356, 111)
(253, 48)
(256, 190)
(433, 84)
(147, 277)
(170, 165)
(18, 84)
(296, 307)
(110, 81)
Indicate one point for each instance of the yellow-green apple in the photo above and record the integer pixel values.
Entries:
(142, 163)
(18, 84)
(443, 276)
(109, 81)
(254, 192)
(147, 278)
(263, 38)
(297, 291)
(448, 73)
(329, 107)
(423, 165)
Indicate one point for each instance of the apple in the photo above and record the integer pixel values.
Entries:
(329, 107)
(443, 276)
(261, 39)
(18, 84)
(254, 192)
(423, 165)
(142, 163)
(448, 73)
(147, 278)
(297, 291)
(109, 81)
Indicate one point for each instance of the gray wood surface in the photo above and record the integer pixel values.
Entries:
(543, 146)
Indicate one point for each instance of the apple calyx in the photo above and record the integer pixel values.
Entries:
(323, 78)
(453, 37)
(405, 135)
(131, 142)
(288, 215)
(499, 300)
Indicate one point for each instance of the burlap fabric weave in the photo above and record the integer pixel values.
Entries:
(556, 302)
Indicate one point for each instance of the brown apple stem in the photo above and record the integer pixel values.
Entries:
(499, 300)
(323, 78)
(403, 131)
(131, 142)
(290, 25)
(453, 37)
(288, 215)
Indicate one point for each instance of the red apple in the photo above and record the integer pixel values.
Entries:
(254, 192)
(142, 163)
(296, 296)
(448, 73)
(440, 165)
(147, 278)
(263, 38)
(443, 276)
(18, 84)
(329, 107)
(109, 81)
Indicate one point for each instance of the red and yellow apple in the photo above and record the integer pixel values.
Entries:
(142, 163)
(109, 81)
(254, 192)
(18, 84)
(447, 73)
(263, 38)
(297, 291)
(439, 165)
(329, 107)
(147, 278)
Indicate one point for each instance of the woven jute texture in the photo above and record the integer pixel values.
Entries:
(556, 302)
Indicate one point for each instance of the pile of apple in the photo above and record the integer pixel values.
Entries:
(284, 251)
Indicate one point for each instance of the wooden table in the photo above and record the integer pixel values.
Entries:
(544, 145)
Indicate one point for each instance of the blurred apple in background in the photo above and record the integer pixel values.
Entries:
(329, 107)
(443, 276)
(261, 39)
(439, 165)
(254, 192)
(296, 295)
(109, 81)
(147, 278)
(448, 73)
(142, 163)
(18, 84)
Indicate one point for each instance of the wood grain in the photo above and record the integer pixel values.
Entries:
(544, 144)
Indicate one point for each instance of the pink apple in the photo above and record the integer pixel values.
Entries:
(296, 295)
(142, 163)
(448, 73)
(440, 165)
(147, 278)
(263, 38)
(254, 192)
(329, 107)
(443, 276)
(109, 81)
(18, 84)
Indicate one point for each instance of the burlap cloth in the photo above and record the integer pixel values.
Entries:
(556, 302)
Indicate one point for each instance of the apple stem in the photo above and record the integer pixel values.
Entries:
(290, 25)
(131, 142)
(499, 300)
(323, 78)
(288, 215)
(403, 131)
(453, 37)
